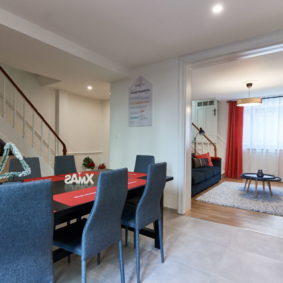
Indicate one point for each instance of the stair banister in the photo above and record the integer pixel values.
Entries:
(34, 109)
(208, 139)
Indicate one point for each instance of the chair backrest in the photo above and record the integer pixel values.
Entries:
(103, 226)
(64, 165)
(142, 163)
(148, 208)
(26, 232)
(16, 166)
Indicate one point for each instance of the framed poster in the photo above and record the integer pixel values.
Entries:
(140, 103)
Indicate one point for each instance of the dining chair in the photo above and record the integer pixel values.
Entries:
(142, 163)
(147, 210)
(16, 166)
(88, 238)
(141, 166)
(64, 164)
(26, 232)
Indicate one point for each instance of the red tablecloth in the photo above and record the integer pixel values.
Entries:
(81, 196)
(135, 175)
(131, 175)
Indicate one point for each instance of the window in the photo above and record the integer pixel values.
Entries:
(263, 126)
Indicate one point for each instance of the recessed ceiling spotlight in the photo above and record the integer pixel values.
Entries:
(217, 8)
(89, 87)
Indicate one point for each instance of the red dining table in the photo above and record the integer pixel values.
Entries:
(72, 201)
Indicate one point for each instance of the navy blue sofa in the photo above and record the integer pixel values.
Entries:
(203, 178)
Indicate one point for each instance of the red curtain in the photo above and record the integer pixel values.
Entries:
(234, 149)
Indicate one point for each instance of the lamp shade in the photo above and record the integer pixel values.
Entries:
(250, 101)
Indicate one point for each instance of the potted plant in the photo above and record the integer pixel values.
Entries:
(88, 163)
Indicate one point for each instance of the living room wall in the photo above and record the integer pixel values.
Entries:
(162, 139)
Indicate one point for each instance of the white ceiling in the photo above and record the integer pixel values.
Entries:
(227, 81)
(73, 73)
(135, 32)
(99, 40)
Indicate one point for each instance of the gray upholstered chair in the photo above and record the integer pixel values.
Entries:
(88, 238)
(141, 166)
(64, 164)
(147, 210)
(26, 232)
(16, 166)
(142, 163)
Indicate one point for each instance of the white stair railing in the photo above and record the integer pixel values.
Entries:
(203, 145)
(18, 111)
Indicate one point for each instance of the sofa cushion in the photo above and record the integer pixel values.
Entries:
(202, 174)
(205, 155)
(199, 162)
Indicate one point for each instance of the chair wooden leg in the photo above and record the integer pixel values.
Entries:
(161, 239)
(98, 259)
(137, 244)
(126, 236)
(121, 260)
(83, 279)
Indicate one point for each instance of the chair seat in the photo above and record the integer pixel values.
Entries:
(128, 216)
(69, 237)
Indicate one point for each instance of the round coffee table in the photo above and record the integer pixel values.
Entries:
(266, 178)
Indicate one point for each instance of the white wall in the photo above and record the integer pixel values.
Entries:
(84, 126)
(105, 129)
(162, 139)
(42, 97)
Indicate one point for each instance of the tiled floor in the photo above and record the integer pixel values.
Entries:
(196, 251)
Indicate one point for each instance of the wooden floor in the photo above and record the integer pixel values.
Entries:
(255, 221)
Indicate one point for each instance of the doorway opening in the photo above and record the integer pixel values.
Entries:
(209, 84)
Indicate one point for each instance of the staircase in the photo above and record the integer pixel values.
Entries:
(202, 144)
(22, 124)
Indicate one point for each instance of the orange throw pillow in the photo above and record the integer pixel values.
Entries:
(207, 156)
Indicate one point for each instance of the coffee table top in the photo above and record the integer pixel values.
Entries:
(265, 177)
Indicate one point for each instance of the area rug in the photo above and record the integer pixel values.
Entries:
(232, 194)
